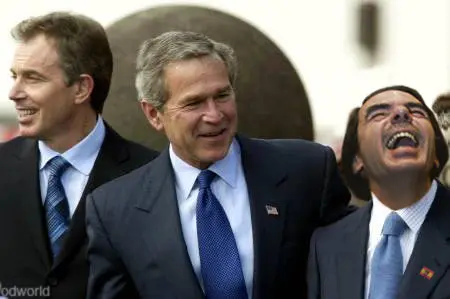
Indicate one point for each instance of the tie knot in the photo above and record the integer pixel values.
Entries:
(394, 225)
(57, 165)
(205, 178)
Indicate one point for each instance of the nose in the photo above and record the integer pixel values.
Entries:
(212, 112)
(401, 115)
(16, 93)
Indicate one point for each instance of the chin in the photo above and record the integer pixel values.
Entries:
(213, 156)
(27, 132)
(410, 167)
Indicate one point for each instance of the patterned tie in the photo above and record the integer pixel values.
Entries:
(56, 205)
(219, 257)
(387, 260)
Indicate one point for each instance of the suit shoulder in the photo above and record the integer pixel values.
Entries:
(137, 149)
(12, 146)
(296, 145)
(125, 183)
(333, 232)
(350, 220)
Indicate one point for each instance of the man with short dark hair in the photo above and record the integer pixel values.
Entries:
(62, 72)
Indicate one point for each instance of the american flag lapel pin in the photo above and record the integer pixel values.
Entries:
(271, 210)
(427, 273)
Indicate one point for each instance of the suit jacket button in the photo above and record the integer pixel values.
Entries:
(52, 281)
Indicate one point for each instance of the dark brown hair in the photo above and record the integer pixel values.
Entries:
(350, 147)
(82, 46)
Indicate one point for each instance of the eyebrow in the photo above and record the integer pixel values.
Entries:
(376, 107)
(27, 73)
(195, 97)
(414, 105)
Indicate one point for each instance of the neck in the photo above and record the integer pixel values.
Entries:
(76, 129)
(400, 193)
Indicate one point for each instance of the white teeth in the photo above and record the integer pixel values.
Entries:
(26, 112)
(396, 136)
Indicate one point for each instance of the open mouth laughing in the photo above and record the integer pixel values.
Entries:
(402, 139)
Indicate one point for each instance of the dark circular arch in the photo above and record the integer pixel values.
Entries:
(271, 99)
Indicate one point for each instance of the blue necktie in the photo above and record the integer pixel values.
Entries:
(56, 205)
(387, 260)
(219, 257)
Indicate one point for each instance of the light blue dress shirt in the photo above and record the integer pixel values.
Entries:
(82, 157)
(231, 191)
(414, 216)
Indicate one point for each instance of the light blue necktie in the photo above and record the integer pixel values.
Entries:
(56, 205)
(219, 257)
(387, 260)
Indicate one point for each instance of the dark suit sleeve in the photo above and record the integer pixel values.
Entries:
(108, 277)
(335, 196)
(313, 275)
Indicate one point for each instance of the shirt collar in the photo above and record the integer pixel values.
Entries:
(186, 175)
(81, 156)
(413, 215)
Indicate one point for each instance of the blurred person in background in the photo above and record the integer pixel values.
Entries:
(62, 71)
(441, 107)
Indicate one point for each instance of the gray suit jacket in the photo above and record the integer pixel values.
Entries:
(137, 249)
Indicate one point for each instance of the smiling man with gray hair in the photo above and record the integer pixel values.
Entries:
(217, 214)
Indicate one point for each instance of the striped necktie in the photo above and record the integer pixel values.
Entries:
(56, 205)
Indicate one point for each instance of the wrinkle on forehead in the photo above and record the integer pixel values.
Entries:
(38, 53)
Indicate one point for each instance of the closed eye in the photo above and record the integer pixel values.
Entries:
(419, 112)
(377, 115)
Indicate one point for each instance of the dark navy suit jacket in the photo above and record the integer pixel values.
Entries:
(137, 248)
(337, 260)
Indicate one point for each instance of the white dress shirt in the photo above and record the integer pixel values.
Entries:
(230, 188)
(81, 157)
(413, 216)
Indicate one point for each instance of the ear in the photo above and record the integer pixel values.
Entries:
(84, 87)
(152, 114)
(358, 165)
(436, 163)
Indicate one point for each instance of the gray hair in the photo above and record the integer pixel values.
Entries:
(155, 54)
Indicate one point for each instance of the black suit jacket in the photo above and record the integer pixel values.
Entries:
(25, 259)
(338, 256)
(136, 245)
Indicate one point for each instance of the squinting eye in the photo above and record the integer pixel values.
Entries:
(377, 115)
(418, 112)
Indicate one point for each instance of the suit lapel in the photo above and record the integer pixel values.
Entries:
(106, 167)
(431, 251)
(351, 256)
(27, 192)
(158, 208)
(264, 179)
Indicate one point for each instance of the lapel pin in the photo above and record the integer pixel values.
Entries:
(271, 210)
(427, 273)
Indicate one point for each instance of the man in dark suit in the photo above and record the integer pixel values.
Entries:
(216, 214)
(61, 70)
(397, 246)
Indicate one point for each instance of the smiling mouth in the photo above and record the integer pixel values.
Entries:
(213, 134)
(26, 112)
(402, 139)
